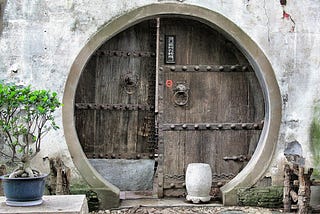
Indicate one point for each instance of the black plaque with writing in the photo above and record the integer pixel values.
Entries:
(170, 54)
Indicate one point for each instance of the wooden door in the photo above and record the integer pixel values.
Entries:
(210, 105)
(179, 93)
(115, 97)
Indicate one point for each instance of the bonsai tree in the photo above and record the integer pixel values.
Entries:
(26, 115)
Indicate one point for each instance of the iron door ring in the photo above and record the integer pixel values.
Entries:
(181, 98)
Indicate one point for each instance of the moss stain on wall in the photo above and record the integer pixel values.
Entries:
(270, 197)
(315, 141)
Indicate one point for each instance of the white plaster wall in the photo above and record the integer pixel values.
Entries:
(41, 38)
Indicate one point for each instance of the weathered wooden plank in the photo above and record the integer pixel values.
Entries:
(224, 104)
(123, 53)
(85, 121)
(119, 96)
(207, 68)
(114, 107)
(210, 126)
(123, 155)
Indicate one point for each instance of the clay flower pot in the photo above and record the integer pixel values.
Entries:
(198, 182)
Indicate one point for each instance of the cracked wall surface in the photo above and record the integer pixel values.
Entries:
(41, 39)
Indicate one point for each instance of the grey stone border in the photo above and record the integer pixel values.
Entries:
(262, 157)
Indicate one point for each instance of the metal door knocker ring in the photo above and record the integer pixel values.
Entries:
(181, 95)
(129, 82)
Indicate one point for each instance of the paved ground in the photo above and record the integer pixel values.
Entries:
(191, 210)
(176, 206)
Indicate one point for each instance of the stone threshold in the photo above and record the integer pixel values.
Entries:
(165, 202)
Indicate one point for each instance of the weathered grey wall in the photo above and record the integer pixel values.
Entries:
(41, 38)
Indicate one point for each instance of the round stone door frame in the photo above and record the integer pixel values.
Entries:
(262, 157)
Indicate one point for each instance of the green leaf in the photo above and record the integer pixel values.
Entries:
(21, 110)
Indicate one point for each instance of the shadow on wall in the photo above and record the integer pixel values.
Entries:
(2, 6)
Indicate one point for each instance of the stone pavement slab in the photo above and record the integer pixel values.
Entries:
(61, 204)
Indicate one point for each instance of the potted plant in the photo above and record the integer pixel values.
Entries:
(26, 116)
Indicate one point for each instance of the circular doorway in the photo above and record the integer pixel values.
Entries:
(260, 65)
